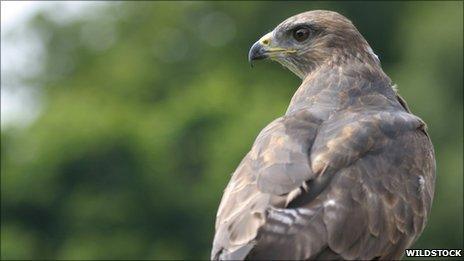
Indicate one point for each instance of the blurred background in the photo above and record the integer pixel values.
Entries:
(122, 122)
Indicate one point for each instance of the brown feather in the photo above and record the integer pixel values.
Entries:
(347, 173)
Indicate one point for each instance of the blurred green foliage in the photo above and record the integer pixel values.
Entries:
(149, 106)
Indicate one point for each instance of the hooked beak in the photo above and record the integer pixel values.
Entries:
(260, 49)
(265, 48)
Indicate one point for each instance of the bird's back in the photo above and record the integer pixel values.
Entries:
(357, 183)
(373, 207)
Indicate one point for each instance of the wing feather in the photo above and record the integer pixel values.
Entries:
(357, 186)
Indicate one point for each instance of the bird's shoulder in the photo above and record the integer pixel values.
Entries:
(351, 133)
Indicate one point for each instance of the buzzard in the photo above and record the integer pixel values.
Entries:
(347, 173)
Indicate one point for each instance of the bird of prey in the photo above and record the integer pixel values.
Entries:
(347, 173)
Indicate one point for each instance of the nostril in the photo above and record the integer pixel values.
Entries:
(265, 42)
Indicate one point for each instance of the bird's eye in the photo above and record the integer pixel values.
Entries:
(300, 34)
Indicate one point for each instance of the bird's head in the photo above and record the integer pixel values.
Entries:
(304, 41)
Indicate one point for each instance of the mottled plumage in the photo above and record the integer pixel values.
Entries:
(347, 173)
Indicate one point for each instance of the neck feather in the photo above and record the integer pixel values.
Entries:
(341, 82)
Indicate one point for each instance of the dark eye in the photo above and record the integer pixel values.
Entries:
(300, 34)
